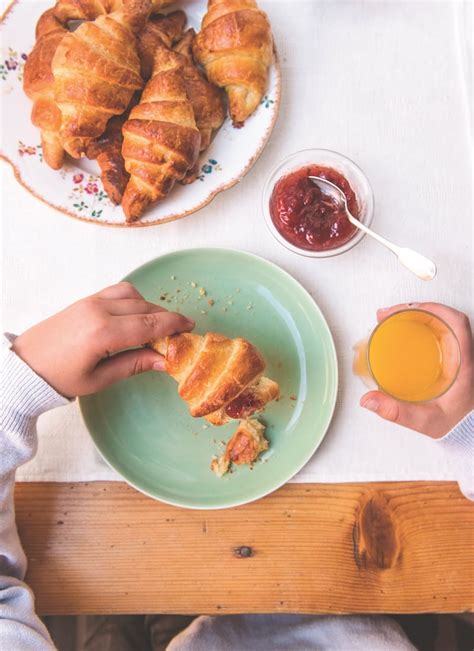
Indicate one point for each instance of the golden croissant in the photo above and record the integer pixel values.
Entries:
(219, 378)
(38, 84)
(235, 49)
(206, 98)
(159, 30)
(161, 140)
(96, 71)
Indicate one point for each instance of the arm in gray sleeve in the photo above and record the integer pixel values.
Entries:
(24, 396)
(459, 442)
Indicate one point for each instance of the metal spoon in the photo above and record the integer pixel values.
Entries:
(418, 264)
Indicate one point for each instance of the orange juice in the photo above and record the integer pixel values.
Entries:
(412, 355)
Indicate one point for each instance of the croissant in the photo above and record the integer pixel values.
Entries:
(96, 71)
(246, 444)
(235, 49)
(38, 84)
(207, 99)
(161, 140)
(159, 30)
(220, 378)
(66, 10)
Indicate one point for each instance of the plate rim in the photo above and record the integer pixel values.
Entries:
(327, 424)
(175, 216)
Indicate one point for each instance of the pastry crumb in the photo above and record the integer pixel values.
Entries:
(203, 312)
(193, 284)
(202, 291)
(173, 277)
(293, 396)
(210, 301)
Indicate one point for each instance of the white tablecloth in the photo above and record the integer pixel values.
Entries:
(386, 83)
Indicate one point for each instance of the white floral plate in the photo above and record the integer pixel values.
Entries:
(76, 189)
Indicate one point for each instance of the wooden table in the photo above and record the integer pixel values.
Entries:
(102, 547)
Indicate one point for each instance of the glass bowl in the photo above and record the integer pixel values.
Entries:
(357, 180)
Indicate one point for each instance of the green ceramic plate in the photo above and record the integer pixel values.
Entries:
(144, 430)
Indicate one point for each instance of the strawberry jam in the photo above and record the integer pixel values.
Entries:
(243, 406)
(308, 218)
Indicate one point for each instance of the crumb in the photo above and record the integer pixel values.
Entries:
(203, 312)
(178, 290)
(202, 291)
(193, 284)
(210, 301)
(205, 427)
(230, 302)
(173, 277)
(250, 306)
(224, 309)
(293, 396)
(163, 298)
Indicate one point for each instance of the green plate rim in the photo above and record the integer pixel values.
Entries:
(281, 482)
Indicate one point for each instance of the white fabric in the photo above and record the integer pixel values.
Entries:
(382, 82)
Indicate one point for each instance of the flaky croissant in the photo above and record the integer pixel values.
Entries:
(96, 71)
(235, 48)
(219, 378)
(38, 84)
(206, 98)
(159, 30)
(161, 140)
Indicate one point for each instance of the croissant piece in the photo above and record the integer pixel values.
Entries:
(212, 371)
(159, 30)
(235, 49)
(245, 446)
(161, 140)
(67, 10)
(206, 98)
(38, 84)
(96, 71)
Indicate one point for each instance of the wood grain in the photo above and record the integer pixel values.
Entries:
(317, 548)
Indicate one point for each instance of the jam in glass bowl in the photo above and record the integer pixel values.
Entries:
(306, 220)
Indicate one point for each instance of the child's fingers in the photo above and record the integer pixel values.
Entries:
(124, 365)
(124, 306)
(120, 290)
(140, 329)
(419, 417)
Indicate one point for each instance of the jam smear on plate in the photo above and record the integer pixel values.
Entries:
(308, 218)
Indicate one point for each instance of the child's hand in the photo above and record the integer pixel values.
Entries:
(77, 351)
(438, 417)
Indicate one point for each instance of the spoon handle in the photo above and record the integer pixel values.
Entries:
(415, 262)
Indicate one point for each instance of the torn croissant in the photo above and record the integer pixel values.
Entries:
(245, 446)
(220, 378)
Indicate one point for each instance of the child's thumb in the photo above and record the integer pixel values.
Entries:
(126, 364)
(407, 414)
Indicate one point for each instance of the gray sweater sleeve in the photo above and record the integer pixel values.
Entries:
(24, 396)
(459, 443)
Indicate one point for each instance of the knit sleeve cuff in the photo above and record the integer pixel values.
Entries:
(461, 437)
(24, 394)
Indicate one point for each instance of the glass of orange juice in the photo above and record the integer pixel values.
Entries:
(411, 355)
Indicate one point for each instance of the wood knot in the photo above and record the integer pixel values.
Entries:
(375, 536)
(243, 552)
